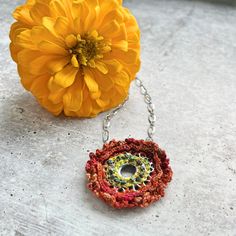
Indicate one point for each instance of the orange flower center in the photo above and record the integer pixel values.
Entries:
(86, 49)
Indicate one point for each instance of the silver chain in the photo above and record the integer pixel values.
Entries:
(151, 117)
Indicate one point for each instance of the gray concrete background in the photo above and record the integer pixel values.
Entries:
(189, 66)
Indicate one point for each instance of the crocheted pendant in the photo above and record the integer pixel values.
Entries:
(130, 173)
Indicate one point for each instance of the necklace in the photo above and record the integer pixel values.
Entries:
(132, 172)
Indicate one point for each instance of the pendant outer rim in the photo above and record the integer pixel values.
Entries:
(147, 194)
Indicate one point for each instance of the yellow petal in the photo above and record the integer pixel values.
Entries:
(51, 48)
(78, 26)
(74, 61)
(66, 76)
(105, 49)
(94, 33)
(71, 41)
(86, 108)
(78, 1)
(134, 38)
(93, 3)
(79, 8)
(73, 98)
(57, 8)
(107, 7)
(122, 45)
(114, 66)
(119, 95)
(101, 67)
(24, 40)
(14, 49)
(105, 83)
(52, 86)
(121, 34)
(22, 14)
(129, 57)
(26, 56)
(90, 19)
(49, 22)
(26, 78)
(115, 14)
(102, 103)
(122, 91)
(96, 108)
(57, 63)
(122, 79)
(38, 65)
(62, 26)
(38, 11)
(41, 33)
(16, 29)
(55, 109)
(90, 81)
(39, 86)
(92, 63)
(30, 2)
(57, 96)
(95, 95)
(110, 28)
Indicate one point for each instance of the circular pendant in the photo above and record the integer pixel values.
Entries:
(129, 173)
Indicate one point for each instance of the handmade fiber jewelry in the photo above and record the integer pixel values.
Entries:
(129, 173)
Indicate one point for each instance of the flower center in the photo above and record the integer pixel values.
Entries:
(86, 49)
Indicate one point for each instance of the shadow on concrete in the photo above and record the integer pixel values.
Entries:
(23, 115)
(218, 2)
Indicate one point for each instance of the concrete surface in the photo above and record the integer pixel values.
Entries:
(189, 66)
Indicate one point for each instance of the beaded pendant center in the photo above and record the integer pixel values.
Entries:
(139, 169)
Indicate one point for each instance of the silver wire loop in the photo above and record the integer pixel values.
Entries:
(150, 108)
(105, 136)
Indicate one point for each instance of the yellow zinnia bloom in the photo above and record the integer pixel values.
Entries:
(76, 56)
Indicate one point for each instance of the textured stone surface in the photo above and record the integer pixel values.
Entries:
(189, 66)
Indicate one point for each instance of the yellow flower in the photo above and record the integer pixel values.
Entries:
(76, 56)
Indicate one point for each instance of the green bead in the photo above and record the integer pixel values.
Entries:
(117, 180)
(138, 179)
(109, 162)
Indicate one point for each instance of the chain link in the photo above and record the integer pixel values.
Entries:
(151, 110)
